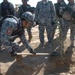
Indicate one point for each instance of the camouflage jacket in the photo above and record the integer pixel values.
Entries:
(71, 10)
(44, 12)
(9, 27)
(59, 7)
(6, 9)
(72, 6)
(24, 8)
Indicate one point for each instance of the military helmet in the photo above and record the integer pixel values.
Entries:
(27, 16)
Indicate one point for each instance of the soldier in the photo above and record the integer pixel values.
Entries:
(71, 4)
(60, 6)
(7, 8)
(45, 17)
(23, 8)
(13, 28)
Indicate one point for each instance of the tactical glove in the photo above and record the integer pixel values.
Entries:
(13, 53)
(33, 52)
(37, 23)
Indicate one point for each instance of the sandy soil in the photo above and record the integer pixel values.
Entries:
(40, 65)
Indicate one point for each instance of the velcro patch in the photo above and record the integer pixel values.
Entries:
(9, 31)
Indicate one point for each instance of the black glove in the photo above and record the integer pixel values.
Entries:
(37, 23)
(13, 53)
(33, 52)
(53, 23)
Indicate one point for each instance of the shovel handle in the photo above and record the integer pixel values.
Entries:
(33, 54)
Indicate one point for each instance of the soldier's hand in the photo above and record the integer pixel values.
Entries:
(13, 53)
(33, 52)
(37, 23)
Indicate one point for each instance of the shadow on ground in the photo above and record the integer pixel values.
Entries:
(43, 65)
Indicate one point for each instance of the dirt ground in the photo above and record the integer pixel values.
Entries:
(40, 65)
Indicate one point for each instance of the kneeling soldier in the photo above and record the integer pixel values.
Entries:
(11, 29)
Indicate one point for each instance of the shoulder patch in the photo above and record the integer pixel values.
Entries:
(9, 31)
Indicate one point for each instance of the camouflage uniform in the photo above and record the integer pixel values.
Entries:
(63, 28)
(6, 34)
(22, 9)
(72, 25)
(44, 16)
(7, 8)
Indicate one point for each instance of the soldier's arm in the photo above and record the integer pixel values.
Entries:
(12, 9)
(25, 42)
(19, 13)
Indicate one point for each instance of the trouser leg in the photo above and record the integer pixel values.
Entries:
(72, 34)
(29, 34)
(63, 33)
(49, 33)
(41, 33)
(53, 31)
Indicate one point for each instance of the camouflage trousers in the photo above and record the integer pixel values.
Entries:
(72, 33)
(49, 30)
(29, 34)
(64, 27)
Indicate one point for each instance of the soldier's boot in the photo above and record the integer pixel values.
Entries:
(30, 37)
(19, 60)
(20, 63)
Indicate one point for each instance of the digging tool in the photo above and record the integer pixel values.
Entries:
(33, 54)
(55, 53)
